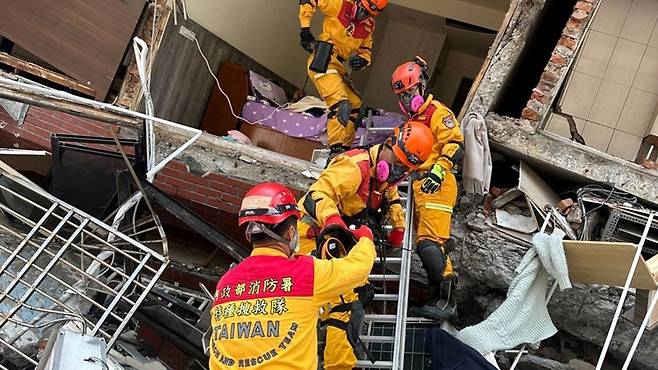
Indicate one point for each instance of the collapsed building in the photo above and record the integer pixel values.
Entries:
(547, 92)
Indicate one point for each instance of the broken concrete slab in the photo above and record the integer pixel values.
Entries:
(502, 55)
(213, 154)
(532, 362)
(517, 138)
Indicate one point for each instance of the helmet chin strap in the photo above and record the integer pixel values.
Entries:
(257, 228)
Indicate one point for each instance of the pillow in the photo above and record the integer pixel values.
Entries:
(262, 88)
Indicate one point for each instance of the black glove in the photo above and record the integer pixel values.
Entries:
(358, 63)
(306, 39)
(434, 179)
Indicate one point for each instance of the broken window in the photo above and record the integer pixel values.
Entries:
(60, 265)
(530, 64)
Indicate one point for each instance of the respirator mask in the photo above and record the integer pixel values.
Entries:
(411, 101)
(392, 174)
(359, 13)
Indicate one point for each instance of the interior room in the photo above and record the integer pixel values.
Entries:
(453, 37)
(612, 91)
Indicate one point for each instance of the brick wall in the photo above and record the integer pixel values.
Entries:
(214, 197)
(39, 123)
(561, 58)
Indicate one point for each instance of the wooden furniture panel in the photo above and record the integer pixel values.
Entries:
(85, 39)
(218, 120)
(269, 139)
(606, 263)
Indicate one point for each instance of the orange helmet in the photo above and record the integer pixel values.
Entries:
(412, 143)
(408, 75)
(374, 7)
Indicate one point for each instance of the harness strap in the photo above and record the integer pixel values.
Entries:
(342, 325)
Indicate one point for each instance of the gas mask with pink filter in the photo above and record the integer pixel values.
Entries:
(412, 100)
(392, 174)
(359, 13)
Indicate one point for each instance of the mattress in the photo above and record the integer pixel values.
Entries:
(306, 126)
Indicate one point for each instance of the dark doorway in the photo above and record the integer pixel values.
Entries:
(462, 93)
(528, 68)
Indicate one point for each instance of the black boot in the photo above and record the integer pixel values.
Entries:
(334, 151)
(442, 305)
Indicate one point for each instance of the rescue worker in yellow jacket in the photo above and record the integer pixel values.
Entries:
(436, 193)
(266, 308)
(357, 184)
(348, 26)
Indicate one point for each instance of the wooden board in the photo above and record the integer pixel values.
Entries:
(37, 161)
(537, 191)
(275, 141)
(85, 39)
(606, 263)
(42, 72)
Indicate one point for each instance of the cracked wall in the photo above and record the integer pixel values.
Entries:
(520, 138)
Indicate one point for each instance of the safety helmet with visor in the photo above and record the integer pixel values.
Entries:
(265, 206)
(409, 82)
(411, 144)
(364, 9)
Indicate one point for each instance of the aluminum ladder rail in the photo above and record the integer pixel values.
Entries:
(400, 319)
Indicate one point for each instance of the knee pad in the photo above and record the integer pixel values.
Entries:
(342, 110)
(433, 259)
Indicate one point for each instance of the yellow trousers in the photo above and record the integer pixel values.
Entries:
(433, 214)
(333, 89)
(338, 353)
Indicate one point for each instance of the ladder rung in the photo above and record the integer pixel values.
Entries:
(386, 297)
(377, 365)
(382, 277)
(376, 339)
(389, 260)
(392, 319)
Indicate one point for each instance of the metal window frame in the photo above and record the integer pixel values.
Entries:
(76, 236)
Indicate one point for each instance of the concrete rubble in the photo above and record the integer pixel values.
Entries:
(486, 262)
(484, 258)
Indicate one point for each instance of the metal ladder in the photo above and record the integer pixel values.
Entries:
(401, 298)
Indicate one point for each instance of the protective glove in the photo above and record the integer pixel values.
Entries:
(363, 232)
(357, 63)
(395, 237)
(306, 39)
(434, 179)
(335, 226)
(335, 220)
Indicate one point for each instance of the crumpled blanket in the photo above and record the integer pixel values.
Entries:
(523, 317)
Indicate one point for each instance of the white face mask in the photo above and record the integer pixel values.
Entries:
(294, 242)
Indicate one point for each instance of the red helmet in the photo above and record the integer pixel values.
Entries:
(374, 7)
(408, 75)
(268, 203)
(412, 143)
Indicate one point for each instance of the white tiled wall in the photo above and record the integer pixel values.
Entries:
(613, 91)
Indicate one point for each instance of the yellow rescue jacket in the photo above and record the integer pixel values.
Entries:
(346, 187)
(338, 28)
(266, 309)
(448, 137)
